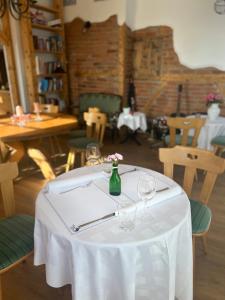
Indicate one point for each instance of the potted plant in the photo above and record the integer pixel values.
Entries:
(212, 101)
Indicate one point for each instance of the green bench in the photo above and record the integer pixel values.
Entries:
(107, 103)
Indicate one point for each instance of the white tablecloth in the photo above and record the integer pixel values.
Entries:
(133, 121)
(154, 261)
(210, 130)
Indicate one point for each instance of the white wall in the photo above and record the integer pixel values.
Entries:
(96, 11)
(199, 33)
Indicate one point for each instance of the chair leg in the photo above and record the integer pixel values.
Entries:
(70, 160)
(204, 244)
(1, 289)
(58, 146)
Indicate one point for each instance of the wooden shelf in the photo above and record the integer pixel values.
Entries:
(39, 59)
(51, 92)
(47, 28)
(51, 75)
(48, 52)
(45, 8)
(4, 91)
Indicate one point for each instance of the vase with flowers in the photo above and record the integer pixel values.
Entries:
(213, 101)
(115, 181)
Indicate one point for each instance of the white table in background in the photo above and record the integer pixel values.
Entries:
(154, 261)
(134, 121)
(210, 130)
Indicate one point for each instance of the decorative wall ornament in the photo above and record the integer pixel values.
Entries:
(219, 7)
(148, 57)
(17, 8)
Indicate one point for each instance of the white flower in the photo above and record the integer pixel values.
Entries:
(115, 157)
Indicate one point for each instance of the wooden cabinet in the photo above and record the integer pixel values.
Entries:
(44, 53)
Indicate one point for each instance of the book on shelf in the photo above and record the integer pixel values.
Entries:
(55, 23)
(50, 84)
(49, 44)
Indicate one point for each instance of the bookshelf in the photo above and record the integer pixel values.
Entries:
(44, 53)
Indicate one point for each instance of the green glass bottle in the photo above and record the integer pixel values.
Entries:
(115, 181)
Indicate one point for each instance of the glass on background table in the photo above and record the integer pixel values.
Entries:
(105, 262)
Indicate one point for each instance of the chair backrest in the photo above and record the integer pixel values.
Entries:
(185, 124)
(193, 159)
(40, 159)
(96, 123)
(94, 109)
(8, 172)
(49, 108)
(4, 152)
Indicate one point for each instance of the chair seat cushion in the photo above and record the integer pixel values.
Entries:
(16, 238)
(81, 143)
(219, 140)
(200, 217)
(77, 133)
(178, 139)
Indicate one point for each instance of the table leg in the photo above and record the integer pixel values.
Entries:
(131, 135)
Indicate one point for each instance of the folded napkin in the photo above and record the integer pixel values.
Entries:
(130, 186)
(58, 186)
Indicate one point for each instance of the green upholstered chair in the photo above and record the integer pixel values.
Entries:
(193, 159)
(184, 125)
(16, 231)
(95, 129)
(218, 143)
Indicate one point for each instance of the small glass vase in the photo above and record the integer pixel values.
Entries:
(115, 181)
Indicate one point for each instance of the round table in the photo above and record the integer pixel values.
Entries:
(133, 121)
(153, 261)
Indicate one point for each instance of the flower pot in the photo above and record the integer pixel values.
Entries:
(213, 111)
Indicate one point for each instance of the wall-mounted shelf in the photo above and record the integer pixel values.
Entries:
(47, 28)
(45, 8)
(45, 52)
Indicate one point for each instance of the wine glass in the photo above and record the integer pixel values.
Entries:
(106, 165)
(146, 188)
(92, 154)
(127, 215)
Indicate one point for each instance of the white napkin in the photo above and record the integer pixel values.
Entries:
(130, 184)
(58, 186)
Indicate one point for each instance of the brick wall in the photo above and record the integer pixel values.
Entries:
(102, 58)
(96, 58)
(158, 72)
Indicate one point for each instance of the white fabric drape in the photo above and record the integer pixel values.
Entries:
(133, 121)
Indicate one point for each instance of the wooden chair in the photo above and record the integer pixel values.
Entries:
(95, 130)
(183, 124)
(193, 159)
(218, 143)
(16, 231)
(43, 163)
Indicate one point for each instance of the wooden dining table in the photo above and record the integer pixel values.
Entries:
(49, 125)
